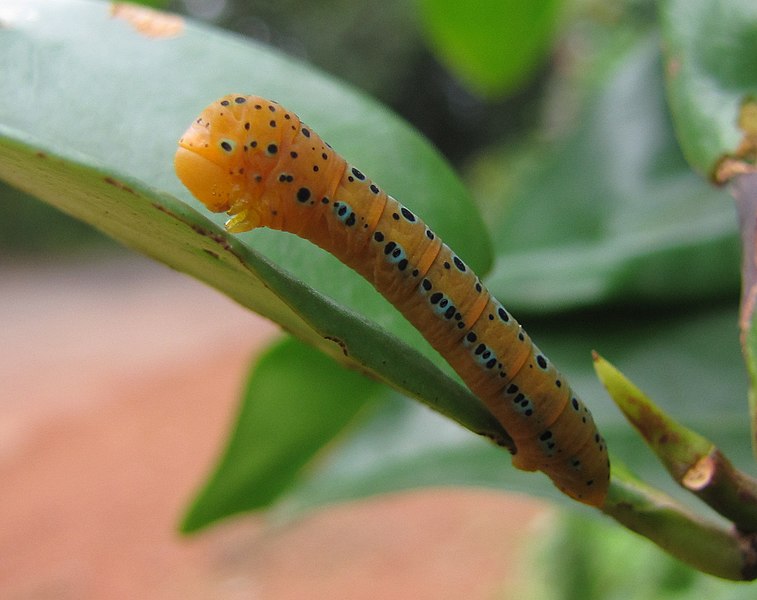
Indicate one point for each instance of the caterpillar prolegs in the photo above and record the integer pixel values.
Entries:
(257, 161)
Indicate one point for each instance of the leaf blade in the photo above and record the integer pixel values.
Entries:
(287, 417)
(711, 69)
(493, 46)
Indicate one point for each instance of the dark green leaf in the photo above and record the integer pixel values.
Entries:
(493, 46)
(295, 402)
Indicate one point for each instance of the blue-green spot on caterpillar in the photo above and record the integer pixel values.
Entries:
(255, 160)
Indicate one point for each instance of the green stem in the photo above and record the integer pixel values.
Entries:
(708, 547)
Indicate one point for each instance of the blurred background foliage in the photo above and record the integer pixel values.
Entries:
(563, 147)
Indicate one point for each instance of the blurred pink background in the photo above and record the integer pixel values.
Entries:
(119, 380)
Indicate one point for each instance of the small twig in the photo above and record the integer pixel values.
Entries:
(692, 460)
(708, 547)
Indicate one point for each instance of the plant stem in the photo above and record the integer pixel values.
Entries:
(706, 546)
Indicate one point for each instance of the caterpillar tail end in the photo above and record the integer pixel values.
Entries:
(592, 497)
(587, 485)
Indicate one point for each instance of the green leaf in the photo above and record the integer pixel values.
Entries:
(296, 401)
(610, 212)
(711, 68)
(679, 448)
(493, 46)
(90, 112)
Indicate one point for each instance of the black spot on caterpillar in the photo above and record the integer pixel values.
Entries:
(255, 160)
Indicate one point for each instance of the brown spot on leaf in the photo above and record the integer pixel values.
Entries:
(503, 440)
(673, 67)
(338, 342)
(148, 21)
(120, 185)
(744, 159)
(217, 238)
(652, 425)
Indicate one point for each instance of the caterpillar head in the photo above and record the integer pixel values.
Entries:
(226, 155)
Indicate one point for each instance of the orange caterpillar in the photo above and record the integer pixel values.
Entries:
(257, 161)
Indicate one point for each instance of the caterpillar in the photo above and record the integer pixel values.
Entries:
(255, 160)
